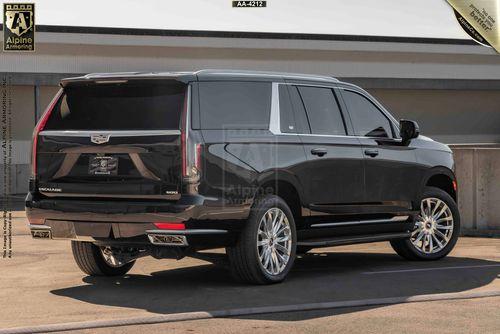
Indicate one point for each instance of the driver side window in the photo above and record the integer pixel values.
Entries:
(367, 119)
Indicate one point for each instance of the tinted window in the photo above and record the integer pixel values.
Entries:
(301, 122)
(118, 107)
(367, 119)
(235, 105)
(323, 111)
(287, 120)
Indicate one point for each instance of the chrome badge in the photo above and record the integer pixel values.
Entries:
(99, 138)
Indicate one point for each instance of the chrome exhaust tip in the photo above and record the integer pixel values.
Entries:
(168, 239)
(40, 232)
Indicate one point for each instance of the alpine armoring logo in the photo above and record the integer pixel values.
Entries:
(19, 27)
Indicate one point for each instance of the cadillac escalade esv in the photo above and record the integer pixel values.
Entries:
(267, 165)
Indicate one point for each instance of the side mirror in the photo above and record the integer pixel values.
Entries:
(408, 130)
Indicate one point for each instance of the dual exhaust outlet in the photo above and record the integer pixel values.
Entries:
(155, 237)
(167, 239)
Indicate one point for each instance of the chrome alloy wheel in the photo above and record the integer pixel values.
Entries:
(110, 258)
(434, 226)
(274, 241)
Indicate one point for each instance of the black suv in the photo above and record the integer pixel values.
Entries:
(267, 165)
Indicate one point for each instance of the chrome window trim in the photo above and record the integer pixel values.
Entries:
(112, 133)
(275, 121)
(274, 118)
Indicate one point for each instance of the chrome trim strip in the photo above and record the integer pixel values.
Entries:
(360, 222)
(274, 119)
(112, 133)
(187, 232)
(39, 227)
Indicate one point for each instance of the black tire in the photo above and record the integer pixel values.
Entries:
(89, 259)
(244, 258)
(405, 247)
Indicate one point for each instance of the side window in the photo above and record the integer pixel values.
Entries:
(287, 120)
(367, 119)
(323, 111)
(235, 105)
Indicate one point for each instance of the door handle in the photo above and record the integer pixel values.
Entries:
(371, 152)
(319, 151)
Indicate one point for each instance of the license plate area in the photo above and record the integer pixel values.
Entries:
(103, 165)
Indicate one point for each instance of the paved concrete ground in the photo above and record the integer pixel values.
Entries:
(42, 285)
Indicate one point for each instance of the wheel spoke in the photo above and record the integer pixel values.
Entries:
(262, 243)
(418, 230)
(437, 241)
(436, 206)
(443, 227)
(444, 237)
(435, 217)
(282, 249)
(444, 219)
(420, 235)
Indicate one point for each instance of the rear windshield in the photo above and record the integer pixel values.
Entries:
(130, 106)
(235, 105)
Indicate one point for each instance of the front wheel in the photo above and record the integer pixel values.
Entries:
(436, 229)
(265, 250)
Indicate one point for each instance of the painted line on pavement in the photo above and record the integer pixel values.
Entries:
(429, 269)
(166, 318)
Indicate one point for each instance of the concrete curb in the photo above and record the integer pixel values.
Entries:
(147, 320)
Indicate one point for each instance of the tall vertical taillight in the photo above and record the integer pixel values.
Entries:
(191, 147)
(38, 128)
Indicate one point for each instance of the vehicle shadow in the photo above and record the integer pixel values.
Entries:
(317, 277)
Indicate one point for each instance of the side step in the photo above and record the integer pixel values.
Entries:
(349, 240)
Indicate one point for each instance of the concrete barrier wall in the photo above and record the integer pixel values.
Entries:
(478, 175)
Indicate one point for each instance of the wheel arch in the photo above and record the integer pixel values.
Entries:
(442, 178)
(284, 185)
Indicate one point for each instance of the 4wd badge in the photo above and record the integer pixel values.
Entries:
(19, 27)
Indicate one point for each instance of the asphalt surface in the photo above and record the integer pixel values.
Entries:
(41, 285)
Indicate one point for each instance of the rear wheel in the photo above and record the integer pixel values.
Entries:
(265, 250)
(98, 261)
(436, 229)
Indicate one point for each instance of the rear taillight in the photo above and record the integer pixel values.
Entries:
(38, 128)
(191, 148)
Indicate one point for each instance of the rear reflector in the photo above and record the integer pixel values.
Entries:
(454, 185)
(170, 226)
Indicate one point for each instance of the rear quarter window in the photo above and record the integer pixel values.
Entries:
(235, 105)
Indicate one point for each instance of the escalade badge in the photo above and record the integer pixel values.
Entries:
(99, 139)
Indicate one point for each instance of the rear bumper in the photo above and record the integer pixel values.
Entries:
(208, 223)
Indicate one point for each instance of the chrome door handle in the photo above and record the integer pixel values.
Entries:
(371, 152)
(319, 151)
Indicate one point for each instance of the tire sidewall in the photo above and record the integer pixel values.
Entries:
(262, 206)
(450, 202)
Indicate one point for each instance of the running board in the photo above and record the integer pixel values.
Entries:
(349, 240)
